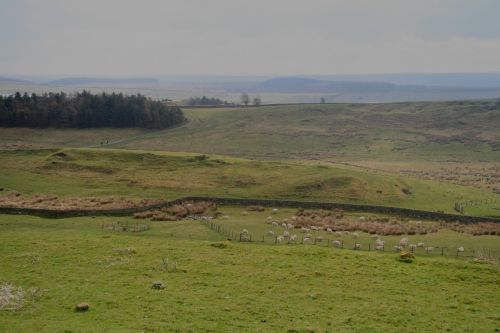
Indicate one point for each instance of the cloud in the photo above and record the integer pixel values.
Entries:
(248, 37)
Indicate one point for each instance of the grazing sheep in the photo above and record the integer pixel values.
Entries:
(306, 239)
(429, 249)
(275, 224)
(329, 230)
(379, 242)
(304, 229)
(357, 246)
(294, 218)
(337, 243)
(338, 233)
(280, 239)
(290, 226)
(319, 239)
(379, 247)
(412, 247)
(461, 249)
(286, 234)
(355, 235)
(420, 244)
(244, 231)
(283, 225)
(398, 248)
(269, 219)
(403, 242)
(270, 233)
(293, 238)
(274, 211)
(314, 228)
(374, 236)
(362, 218)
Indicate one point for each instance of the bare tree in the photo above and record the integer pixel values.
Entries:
(244, 98)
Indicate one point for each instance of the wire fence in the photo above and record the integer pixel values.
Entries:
(351, 244)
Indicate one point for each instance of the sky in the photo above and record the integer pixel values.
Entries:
(250, 37)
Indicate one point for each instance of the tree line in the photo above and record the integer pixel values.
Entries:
(84, 110)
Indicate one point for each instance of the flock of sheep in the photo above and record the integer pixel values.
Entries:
(284, 232)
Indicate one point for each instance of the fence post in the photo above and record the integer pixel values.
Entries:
(342, 244)
(369, 246)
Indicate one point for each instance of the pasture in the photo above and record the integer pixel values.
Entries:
(161, 175)
(244, 287)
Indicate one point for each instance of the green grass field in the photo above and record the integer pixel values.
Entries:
(246, 287)
(423, 156)
(142, 174)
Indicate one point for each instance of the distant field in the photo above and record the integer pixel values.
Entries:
(244, 287)
(144, 174)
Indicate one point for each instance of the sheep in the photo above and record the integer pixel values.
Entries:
(280, 239)
(362, 218)
(429, 249)
(290, 226)
(379, 247)
(294, 218)
(338, 233)
(270, 233)
(337, 243)
(461, 249)
(420, 244)
(286, 234)
(329, 230)
(244, 231)
(304, 230)
(275, 224)
(403, 242)
(412, 247)
(355, 235)
(357, 246)
(398, 248)
(379, 242)
(274, 211)
(319, 239)
(293, 238)
(374, 236)
(314, 228)
(283, 225)
(306, 239)
(269, 219)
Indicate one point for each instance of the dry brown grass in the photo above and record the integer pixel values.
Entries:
(178, 211)
(47, 201)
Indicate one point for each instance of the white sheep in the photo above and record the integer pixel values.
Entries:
(283, 225)
(269, 219)
(461, 249)
(319, 238)
(329, 230)
(412, 247)
(355, 235)
(304, 229)
(374, 236)
(275, 224)
(294, 218)
(306, 239)
(398, 248)
(274, 211)
(379, 247)
(420, 244)
(429, 249)
(286, 234)
(379, 242)
(357, 246)
(337, 243)
(338, 233)
(280, 239)
(293, 238)
(362, 218)
(403, 242)
(290, 226)
(270, 233)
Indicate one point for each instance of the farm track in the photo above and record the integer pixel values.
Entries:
(421, 214)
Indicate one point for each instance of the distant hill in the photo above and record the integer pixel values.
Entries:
(78, 81)
(298, 84)
(4, 79)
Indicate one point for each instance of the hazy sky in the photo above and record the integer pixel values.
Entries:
(226, 37)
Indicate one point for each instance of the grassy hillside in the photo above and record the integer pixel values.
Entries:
(243, 287)
(465, 131)
(143, 174)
